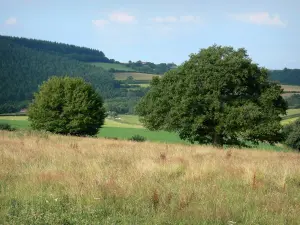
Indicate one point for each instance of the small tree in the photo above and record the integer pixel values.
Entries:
(218, 96)
(67, 105)
(292, 135)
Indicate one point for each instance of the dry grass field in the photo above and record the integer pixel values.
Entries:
(49, 179)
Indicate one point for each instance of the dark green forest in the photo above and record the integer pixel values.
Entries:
(69, 51)
(26, 63)
(286, 76)
(23, 69)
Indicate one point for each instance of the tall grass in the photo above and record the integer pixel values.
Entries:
(48, 179)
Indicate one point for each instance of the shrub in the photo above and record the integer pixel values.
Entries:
(67, 105)
(5, 126)
(292, 135)
(137, 138)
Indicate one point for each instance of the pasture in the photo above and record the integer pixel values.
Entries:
(51, 179)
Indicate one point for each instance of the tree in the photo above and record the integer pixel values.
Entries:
(218, 96)
(67, 105)
(292, 135)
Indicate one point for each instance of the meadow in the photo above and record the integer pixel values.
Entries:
(51, 179)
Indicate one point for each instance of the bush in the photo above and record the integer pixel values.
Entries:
(137, 138)
(292, 135)
(5, 126)
(67, 105)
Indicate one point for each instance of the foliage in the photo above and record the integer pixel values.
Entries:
(137, 138)
(286, 76)
(67, 106)
(218, 96)
(294, 101)
(6, 126)
(148, 67)
(292, 135)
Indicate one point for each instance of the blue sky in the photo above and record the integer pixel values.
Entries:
(162, 30)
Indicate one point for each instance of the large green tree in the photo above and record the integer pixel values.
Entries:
(218, 96)
(66, 105)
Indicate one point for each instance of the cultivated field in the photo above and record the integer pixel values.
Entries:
(136, 76)
(67, 180)
(115, 66)
(291, 88)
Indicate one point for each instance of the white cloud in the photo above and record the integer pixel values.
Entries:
(190, 19)
(173, 19)
(121, 17)
(167, 19)
(11, 21)
(260, 18)
(100, 23)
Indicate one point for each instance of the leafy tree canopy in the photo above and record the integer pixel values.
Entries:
(292, 135)
(218, 96)
(67, 105)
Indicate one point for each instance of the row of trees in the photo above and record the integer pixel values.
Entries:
(148, 67)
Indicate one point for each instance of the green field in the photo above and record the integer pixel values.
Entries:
(115, 66)
(136, 76)
(127, 126)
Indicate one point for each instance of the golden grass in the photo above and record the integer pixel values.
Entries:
(145, 183)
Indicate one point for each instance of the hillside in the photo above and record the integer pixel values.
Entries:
(121, 182)
(69, 51)
(23, 69)
(286, 76)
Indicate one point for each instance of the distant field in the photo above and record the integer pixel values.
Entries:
(291, 88)
(115, 66)
(136, 76)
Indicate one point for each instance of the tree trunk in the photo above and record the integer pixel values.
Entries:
(218, 140)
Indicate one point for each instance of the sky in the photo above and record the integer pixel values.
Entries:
(162, 30)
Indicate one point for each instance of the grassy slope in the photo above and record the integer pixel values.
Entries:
(119, 182)
(115, 66)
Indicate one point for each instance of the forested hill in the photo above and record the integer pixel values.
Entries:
(286, 76)
(70, 51)
(23, 69)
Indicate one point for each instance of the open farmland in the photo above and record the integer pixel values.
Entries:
(120, 182)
